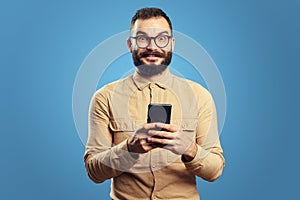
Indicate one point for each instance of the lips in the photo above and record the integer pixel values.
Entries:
(148, 54)
(152, 57)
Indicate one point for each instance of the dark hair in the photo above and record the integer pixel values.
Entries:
(147, 13)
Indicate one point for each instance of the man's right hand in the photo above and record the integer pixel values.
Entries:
(138, 142)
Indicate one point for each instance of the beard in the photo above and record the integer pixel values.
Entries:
(147, 70)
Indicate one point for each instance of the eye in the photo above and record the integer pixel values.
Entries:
(142, 38)
(162, 38)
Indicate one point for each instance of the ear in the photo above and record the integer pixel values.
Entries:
(173, 44)
(129, 45)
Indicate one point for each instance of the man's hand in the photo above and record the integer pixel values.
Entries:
(170, 137)
(139, 143)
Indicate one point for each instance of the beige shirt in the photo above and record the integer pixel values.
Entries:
(118, 109)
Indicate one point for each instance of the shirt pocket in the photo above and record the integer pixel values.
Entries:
(121, 129)
(187, 126)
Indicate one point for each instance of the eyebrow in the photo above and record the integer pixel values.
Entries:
(144, 33)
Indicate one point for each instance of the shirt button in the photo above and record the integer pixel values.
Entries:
(152, 85)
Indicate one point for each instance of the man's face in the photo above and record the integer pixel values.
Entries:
(151, 56)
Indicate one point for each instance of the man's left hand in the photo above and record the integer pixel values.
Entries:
(170, 137)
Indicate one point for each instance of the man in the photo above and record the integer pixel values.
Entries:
(152, 160)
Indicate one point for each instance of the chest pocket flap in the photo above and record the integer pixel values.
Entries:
(125, 125)
(189, 124)
(121, 129)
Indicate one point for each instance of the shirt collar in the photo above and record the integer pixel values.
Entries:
(163, 81)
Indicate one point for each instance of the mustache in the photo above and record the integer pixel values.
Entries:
(152, 53)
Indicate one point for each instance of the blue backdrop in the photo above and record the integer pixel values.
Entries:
(255, 45)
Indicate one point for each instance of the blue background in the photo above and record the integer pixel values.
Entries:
(255, 45)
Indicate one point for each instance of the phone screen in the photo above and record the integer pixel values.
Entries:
(159, 113)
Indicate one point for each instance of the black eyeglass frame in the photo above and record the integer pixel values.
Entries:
(153, 38)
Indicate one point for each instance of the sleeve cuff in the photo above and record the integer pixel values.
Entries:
(200, 155)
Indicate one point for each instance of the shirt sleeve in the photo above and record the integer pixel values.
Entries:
(102, 159)
(209, 161)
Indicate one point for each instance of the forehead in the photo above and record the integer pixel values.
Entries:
(152, 26)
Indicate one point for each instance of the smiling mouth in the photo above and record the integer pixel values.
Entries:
(152, 55)
(151, 58)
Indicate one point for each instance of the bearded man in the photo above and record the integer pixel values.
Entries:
(152, 160)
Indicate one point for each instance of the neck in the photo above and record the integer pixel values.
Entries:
(152, 78)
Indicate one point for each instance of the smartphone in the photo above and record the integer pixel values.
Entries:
(159, 113)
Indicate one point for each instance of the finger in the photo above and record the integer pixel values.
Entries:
(158, 141)
(168, 127)
(156, 145)
(145, 146)
(161, 134)
(151, 125)
(143, 142)
(141, 133)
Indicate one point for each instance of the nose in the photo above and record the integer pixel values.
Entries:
(152, 44)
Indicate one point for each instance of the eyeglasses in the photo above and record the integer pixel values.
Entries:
(144, 41)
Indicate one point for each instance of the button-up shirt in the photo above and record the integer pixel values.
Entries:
(118, 109)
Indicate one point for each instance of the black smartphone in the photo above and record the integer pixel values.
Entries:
(159, 113)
